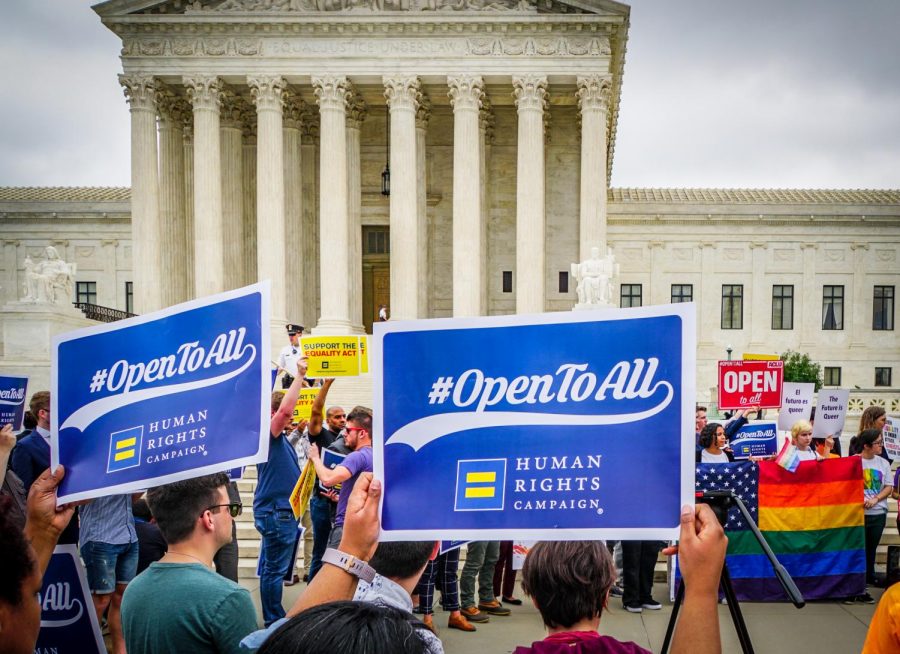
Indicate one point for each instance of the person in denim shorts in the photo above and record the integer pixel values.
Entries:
(109, 549)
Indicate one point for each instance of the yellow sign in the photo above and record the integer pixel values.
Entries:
(363, 355)
(303, 408)
(331, 356)
(303, 490)
(761, 357)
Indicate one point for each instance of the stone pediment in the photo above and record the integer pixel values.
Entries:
(520, 7)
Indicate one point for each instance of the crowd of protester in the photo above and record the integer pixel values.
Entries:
(162, 565)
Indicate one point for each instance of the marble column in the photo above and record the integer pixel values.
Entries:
(267, 92)
(309, 161)
(12, 289)
(530, 92)
(485, 139)
(332, 93)
(209, 254)
(140, 91)
(809, 311)
(709, 307)
(293, 208)
(172, 279)
(466, 93)
(356, 114)
(755, 306)
(231, 131)
(248, 164)
(656, 291)
(401, 93)
(593, 102)
(188, 242)
(423, 114)
(857, 319)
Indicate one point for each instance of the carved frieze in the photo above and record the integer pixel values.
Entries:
(491, 46)
(370, 6)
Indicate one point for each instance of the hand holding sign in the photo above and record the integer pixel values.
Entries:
(45, 520)
(361, 524)
(7, 440)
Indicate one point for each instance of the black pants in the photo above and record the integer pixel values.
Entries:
(874, 529)
(638, 562)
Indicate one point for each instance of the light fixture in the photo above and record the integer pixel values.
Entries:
(386, 173)
(729, 350)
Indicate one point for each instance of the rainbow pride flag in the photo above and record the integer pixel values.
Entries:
(812, 519)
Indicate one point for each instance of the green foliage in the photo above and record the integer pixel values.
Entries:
(798, 367)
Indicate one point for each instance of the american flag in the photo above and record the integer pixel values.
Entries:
(742, 478)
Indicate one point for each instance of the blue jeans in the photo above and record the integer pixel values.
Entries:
(106, 565)
(279, 532)
(320, 514)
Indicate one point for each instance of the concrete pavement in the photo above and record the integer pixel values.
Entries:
(820, 627)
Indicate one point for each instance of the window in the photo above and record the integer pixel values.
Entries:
(882, 376)
(86, 292)
(832, 307)
(682, 293)
(782, 307)
(563, 282)
(507, 281)
(129, 297)
(376, 240)
(832, 376)
(630, 296)
(883, 308)
(732, 306)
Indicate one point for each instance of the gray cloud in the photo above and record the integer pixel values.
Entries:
(803, 93)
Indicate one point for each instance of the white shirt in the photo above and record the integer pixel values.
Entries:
(287, 360)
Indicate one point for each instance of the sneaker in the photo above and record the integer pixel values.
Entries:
(651, 605)
(848, 600)
(472, 614)
(493, 608)
(865, 598)
(616, 591)
(633, 608)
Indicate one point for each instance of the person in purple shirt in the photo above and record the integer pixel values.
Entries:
(358, 437)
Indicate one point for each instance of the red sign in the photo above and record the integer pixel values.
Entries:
(744, 384)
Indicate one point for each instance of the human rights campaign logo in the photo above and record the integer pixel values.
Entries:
(480, 484)
(125, 448)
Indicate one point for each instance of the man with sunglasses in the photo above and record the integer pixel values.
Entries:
(357, 437)
(179, 604)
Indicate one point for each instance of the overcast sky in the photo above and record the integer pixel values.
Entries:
(716, 93)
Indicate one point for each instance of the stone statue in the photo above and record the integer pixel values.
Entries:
(594, 278)
(49, 281)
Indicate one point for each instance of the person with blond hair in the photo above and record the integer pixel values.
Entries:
(801, 438)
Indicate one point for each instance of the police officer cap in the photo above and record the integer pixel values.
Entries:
(294, 329)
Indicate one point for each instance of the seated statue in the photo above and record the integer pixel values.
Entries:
(49, 281)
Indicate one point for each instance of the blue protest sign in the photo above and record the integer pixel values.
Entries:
(331, 459)
(68, 620)
(166, 396)
(756, 439)
(551, 426)
(450, 545)
(12, 401)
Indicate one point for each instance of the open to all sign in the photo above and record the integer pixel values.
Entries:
(750, 383)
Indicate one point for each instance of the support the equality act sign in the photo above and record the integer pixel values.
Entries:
(551, 426)
(166, 396)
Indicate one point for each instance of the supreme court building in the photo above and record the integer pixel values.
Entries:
(265, 135)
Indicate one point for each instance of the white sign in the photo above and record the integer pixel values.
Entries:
(830, 413)
(891, 436)
(796, 404)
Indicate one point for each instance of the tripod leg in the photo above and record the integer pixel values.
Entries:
(670, 629)
(737, 618)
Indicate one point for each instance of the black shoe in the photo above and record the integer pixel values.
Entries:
(651, 605)
(616, 591)
(865, 598)
(633, 608)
